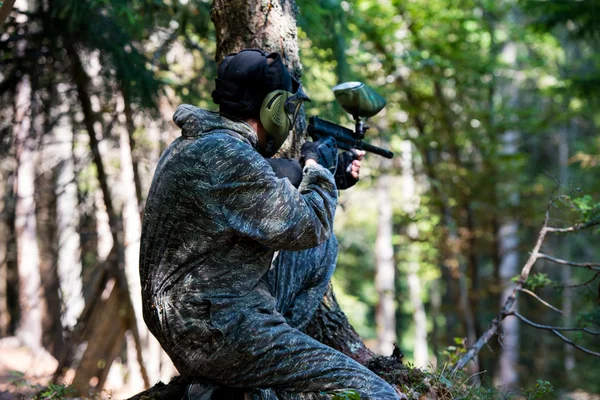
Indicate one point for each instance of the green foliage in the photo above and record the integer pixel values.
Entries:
(587, 208)
(55, 392)
(451, 354)
(536, 281)
(541, 389)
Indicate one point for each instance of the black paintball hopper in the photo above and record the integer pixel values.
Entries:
(358, 99)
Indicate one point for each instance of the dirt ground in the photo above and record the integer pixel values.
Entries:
(24, 373)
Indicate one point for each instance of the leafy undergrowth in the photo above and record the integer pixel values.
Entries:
(442, 384)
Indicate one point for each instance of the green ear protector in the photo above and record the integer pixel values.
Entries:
(278, 114)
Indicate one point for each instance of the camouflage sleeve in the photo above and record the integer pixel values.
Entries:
(258, 205)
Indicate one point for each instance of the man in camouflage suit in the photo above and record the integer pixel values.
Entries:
(220, 304)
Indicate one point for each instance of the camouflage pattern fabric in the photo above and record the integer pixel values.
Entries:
(213, 296)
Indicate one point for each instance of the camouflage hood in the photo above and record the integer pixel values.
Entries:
(195, 122)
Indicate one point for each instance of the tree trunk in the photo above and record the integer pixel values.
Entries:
(565, 250)
(409, 201)
(67, 222)
(53, 340)
(508, 243)
(4, 237)
(385, 271)
(30, 325)
(104, 336)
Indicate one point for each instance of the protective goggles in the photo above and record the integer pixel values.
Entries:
(294, 101)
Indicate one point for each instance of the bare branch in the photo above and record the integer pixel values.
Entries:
(544, 302)
(550, 327)
(556, 329)
(590, 266)
(575, 228)
(584, 283)
(5, 10)
(495, 325)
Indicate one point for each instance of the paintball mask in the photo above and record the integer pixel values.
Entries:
(254, 84)
(278, 114)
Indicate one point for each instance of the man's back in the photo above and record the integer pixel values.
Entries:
(216, 213)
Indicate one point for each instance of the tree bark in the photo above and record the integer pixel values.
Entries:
(53, 339)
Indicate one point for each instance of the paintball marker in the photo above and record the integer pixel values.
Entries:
(362, 102)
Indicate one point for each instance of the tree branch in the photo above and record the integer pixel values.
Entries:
(556, 329)
(584, 283)
(5, 10)
(575, 228)
(495, 325)
(590, 266)
(544, 302)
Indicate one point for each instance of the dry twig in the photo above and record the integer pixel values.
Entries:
(510, 301)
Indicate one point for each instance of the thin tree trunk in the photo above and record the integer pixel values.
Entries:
(409, 201)
(567, 294)
(53, 339)
(385, 271)
(30, 325)
(10, 261)
(4, 237)
(508, 243)
(67, 222)
(104, 335)
(135, 161)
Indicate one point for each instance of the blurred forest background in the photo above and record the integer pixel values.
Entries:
(493, 109)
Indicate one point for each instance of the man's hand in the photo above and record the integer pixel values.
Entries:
(322, 151)
(348, 170)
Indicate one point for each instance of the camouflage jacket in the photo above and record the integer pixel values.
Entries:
(216, 213)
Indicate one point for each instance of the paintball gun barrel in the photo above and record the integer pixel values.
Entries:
(362, 102)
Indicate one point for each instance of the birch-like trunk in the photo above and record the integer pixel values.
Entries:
(385, 270)
(67, 222)
(29, 329)
(410, 204)
(565, 250)
(508, 242)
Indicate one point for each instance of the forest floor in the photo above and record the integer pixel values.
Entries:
(23, 374)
